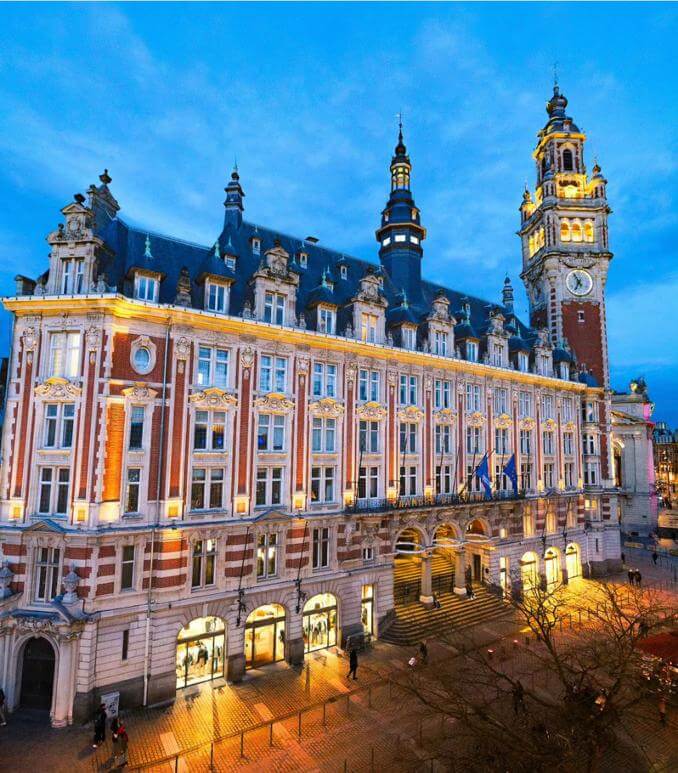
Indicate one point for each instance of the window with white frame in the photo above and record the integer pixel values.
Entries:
(526, 476)
(271, 432)
(473, 397)
(408, 390)
(327, 320)
(368, 385)
(408, 337)
(269, 486)
(543, 364)
(272, 374)
(408, 437)
(443, 435)
(267, 555)
(203, 563)
(408, 480)
(440, 343)
(567, 409)
(321, 547)
(590, 411)
(323, 435)
(472, 351)
(501, 441)
(47, 573)
(207, 488)
(209, 431)
(524, 404)
(72, 275)
(217, 297)
(525, 442)
(569, 475)
(501, 481)
(568, 443)
(444, 478)
(136, 428)
(146, 288)
(549, 481)
(590, 446)
(497, 354)
(472, 480)
(500, 400)
(343, 271)
(442, 393)
(548, 443)
(59, 419)
(368, 327)
(547, 407)
(132, 489)
(127, 556)
(474, 440)
(322, 484)
(212, 367)
(523, 362)
(368, 436)
(274, 308)
(54, 487)
(64, 354)
(256, 246)
(368, 483)
(303, 259)
(230, 262)
(324, 381)
(368, 553)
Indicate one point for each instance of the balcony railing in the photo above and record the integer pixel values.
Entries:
(439, 500)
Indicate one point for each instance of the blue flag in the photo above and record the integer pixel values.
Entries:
(511, 472)
(483, 475)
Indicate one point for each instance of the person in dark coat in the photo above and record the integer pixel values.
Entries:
(654, 557)
(639, 577)
(423, 652)
(3, 708)
(632, 579)
(518, 697)
(99, 726)
(353, 662)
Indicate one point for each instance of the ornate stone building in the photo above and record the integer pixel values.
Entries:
(216, 457)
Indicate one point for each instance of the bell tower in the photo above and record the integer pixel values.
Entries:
(563, 230)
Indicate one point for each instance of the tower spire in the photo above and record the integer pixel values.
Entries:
(233, 203)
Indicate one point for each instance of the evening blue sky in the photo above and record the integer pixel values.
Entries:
(306, 95)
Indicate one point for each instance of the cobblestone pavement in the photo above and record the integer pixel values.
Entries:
(361, 729)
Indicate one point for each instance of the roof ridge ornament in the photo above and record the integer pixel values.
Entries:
(147, 247)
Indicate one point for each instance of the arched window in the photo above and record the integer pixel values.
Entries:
(565, 231)
(568, 160)
(588, 231)
(576, 231)
(543, 165)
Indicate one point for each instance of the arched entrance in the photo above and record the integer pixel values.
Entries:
(320, 622)
(409, 547)
(529, 570)
(552, 566)
(201, 649)
(573, 561)
(37, 674)
(476, 534)
(265, 636)
(446, 540)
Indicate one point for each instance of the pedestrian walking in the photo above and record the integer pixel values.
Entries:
(3, 708)
(654, 557)
(518, 697)
(436, 602)
(423, 652)
(99, 726)
(639, 577)
(120, 744)
(631, 577)
(353, 663)
(662, 710)
(623, 558)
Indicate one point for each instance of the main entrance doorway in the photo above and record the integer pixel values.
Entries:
(552, 566)
(265, 636)
(37, 675)
(367, 608)
(529, 571)
(200, 651)
(572, 561)
(320, 622)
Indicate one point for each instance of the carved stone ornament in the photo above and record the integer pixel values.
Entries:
(444, 416)
(410, 414)
(326, 407)
(30, 339)
(70, 582)
(569, 426)
(57, 388)
(303, 363)
(92, 338)
(351, 371)
(182, 348)
(140, 393)
(503, 421)
(527, 423)
(213, 397)
(428, 382)
(274, 402)
(476, 419)
(549, 424)
(371, 410)
(247, 357)
(6, 579)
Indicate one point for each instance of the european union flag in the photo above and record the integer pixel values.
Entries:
(483, 475)
(512, 473)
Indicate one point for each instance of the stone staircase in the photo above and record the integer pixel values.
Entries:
(413, 622)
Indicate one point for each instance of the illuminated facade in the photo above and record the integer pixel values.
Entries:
(214, 455)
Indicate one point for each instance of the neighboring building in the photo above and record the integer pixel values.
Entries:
(666, 468)
(218, 453)
(634, 468)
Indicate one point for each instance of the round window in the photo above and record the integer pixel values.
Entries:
(142, 359)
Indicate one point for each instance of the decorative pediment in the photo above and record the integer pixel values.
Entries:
(527, 423)
(370, 290)
(327, 407)
(444, 416)
(140, 393)
(410, 414)
(274, 402)
(549, 424)
(496, 327)
(57, 388)
(476, 419)
(214, 398)
(371, 410)
(503, 421)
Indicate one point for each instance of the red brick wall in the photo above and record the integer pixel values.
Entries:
(121, 366)
(585, 338)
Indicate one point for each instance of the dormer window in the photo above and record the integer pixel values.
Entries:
(368, 327)
(344, 272)
(409, 338)
(303, 259)
(543, 364)
(523, 362)
(146, 288)
(274, 308)
(497, 355)
(229, 261)
(217, 297)
(400, 238)
(327, 320)
(564, 370)
(256, 245)
(414, 239)
(440, 343)
(472, 351)
(72, 276)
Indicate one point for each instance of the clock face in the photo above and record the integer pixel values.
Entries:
(579, 282)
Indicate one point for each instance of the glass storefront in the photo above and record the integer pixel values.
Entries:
(552, 566)
(529, 571)
(201, 649)
(265, 636)
(320, 622)
(367, 609)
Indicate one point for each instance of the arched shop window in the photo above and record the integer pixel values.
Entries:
(201, 651)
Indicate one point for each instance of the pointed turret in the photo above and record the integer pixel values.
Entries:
(233, 203)
(507, 294)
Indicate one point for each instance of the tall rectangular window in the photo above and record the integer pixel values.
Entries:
(525, 442)
(409, 337)
(525, 476)
(127, 568)
(569, 475)
(64, 354)
(497, 355)
(408, 438)
(207, 488)
(58, 425)
(524, 404)
(267, 555)
(523, 362)
(209, 428)
(274, 308)
(368, 327)
(368, 482)
(136, 428)
(472, 351)
(442, 393)
(444, 478)
(567, 409)
(323, 435)
(54, 487)
(547, 407)
(72, 276)
(368, 436)
(47, 569)
(272, 374)
(322, 484)
(204, 559)
(408, 390)
(568, 443)
(321, 547)
(212, 367)
(217, 297)
(268, 486)
(443, 435)
(324, 381)
(500, 400)
(146, 288)
(408, 480)
(368, 385)
(133, 487)
(326, 320)
(548, 442)
(549, 481)
(473, 397)
(271, 432)
(501, 441)
(440, 343)
(474, 440)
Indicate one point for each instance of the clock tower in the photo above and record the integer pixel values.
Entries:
(565, 249)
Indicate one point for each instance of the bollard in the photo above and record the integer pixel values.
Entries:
(372, 759)
(242, 745)
(421, 732)
(369, 697)
(308, 678)
(580, 617)
(176, 764)
(348, 705)
(345, 765)
(324, 711)
(212, 755)
(299, 726)
(270, 734)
